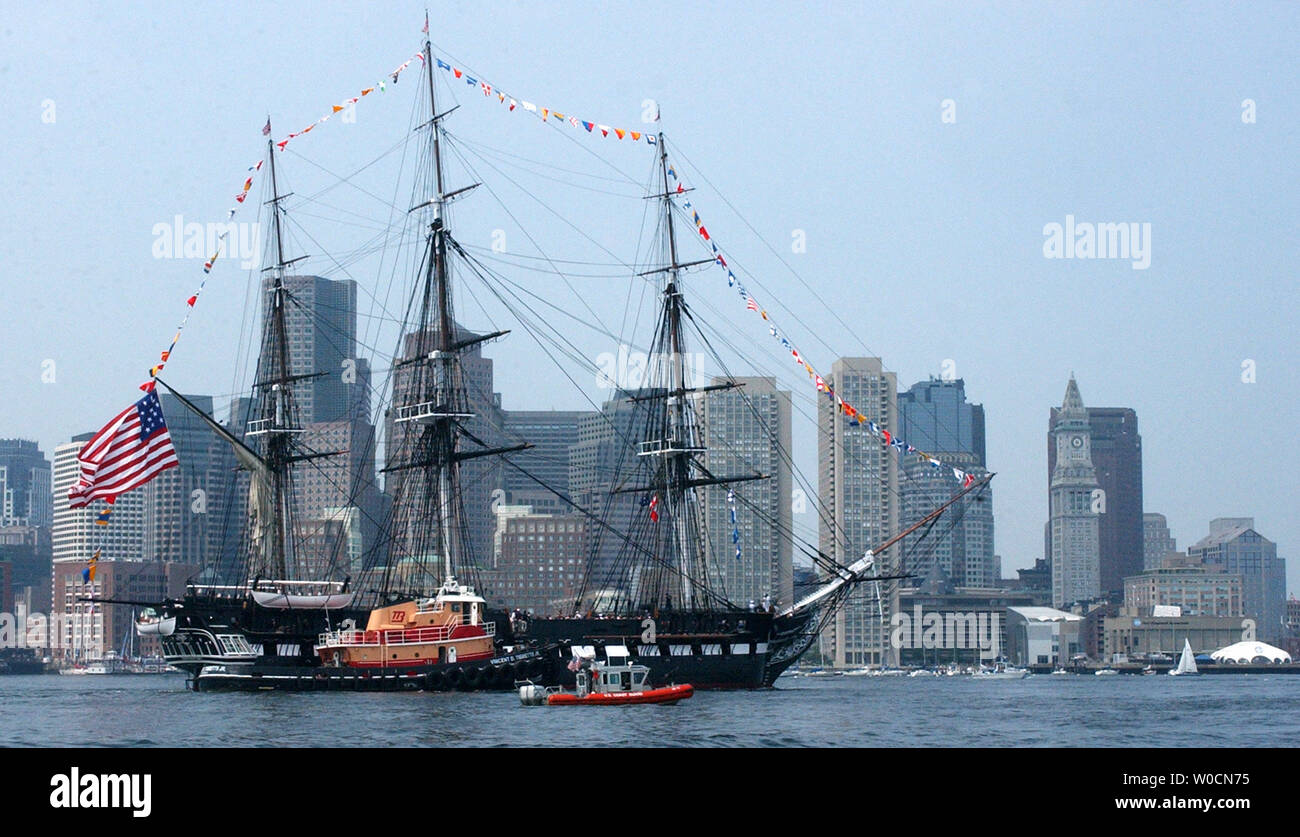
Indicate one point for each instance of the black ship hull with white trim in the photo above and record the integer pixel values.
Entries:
(275, 673)
(708, 649)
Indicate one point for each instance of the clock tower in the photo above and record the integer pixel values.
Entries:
(1075, 504)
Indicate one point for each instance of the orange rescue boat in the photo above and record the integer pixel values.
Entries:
(618, 682)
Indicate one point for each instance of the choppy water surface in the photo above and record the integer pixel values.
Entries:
(142, 711)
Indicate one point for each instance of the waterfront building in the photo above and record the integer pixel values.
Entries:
(82, 629)
(1235, 546)
(541, 562)
(1043, 636)
(858, 481)
(1137, 637)
(942, 623)
(1194, 588)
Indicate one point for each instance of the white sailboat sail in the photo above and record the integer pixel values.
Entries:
(1187, 662)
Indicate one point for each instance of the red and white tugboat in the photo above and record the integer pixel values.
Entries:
(616, 682)
(439, 643)
(447, 629)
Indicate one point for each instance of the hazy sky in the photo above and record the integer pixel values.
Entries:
(925, 235)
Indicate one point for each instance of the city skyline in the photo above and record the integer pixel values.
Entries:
(1198, 197)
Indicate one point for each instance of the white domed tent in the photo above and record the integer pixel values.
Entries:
(1250, 653)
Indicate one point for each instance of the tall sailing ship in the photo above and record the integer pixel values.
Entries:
(418, 619)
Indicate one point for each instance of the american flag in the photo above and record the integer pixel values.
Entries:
(129, 451)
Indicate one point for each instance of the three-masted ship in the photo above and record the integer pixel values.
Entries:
(425, 623)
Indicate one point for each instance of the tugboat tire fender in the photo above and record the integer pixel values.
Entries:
(472, 678)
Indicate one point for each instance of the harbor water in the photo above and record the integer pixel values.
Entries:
(1038, 711)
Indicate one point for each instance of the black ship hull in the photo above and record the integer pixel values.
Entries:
(20, 661)
(500, 673)
(231, 644)
(710, 650)
(218, 630)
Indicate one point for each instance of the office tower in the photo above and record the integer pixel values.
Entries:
(92, 629)
(603, 459)
(1156, 540)
(25, 498)
(76, 535)
(935, 417)
(746, 430)
(1235, 547)
(551, 433)
(858, 487)
(1116, 453)
(321, 326)
(338, 510)
(185, 507)
(1073, 524)
(28, 552)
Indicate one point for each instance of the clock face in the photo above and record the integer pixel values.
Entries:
(1077, 441)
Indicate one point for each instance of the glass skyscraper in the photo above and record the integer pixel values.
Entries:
(935, 417)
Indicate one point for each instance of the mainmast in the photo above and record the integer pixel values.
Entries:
(436, 405)
(678, 460)
(675, 441)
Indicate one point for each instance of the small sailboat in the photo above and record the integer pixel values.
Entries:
(1187, 662)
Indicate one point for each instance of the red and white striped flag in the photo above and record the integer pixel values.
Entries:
(129, 451)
